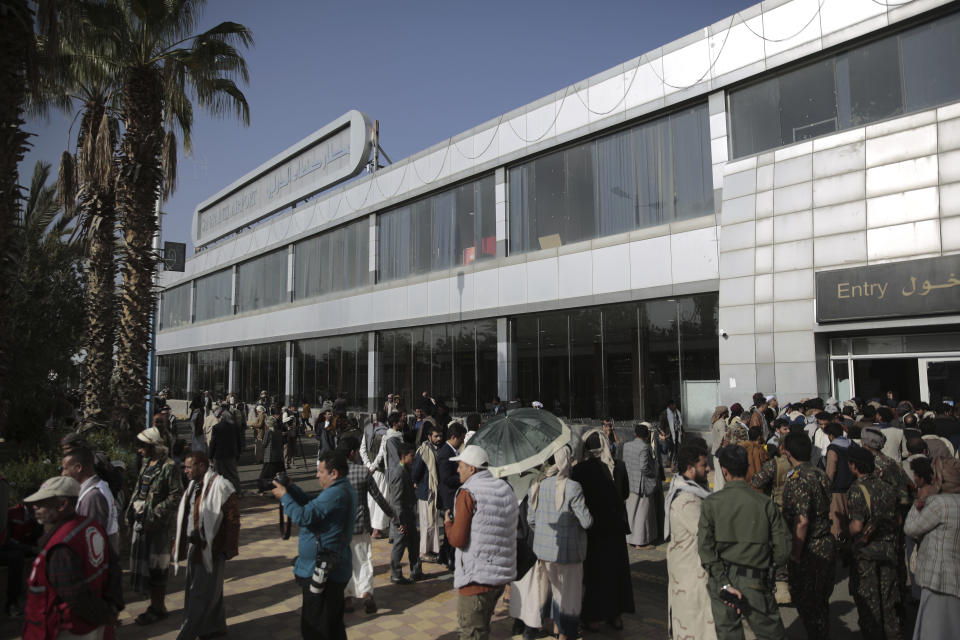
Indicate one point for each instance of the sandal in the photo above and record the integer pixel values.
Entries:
(150, 616)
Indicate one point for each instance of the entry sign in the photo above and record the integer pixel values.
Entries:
(911, 288)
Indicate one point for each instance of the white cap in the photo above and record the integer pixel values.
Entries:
(473, 455)
(151, 436)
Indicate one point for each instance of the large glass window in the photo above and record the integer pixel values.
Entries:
(214, 296)
(651, 174)
(333, 261)
(211, 372)
(262, 367)
(455, 363)
(901, 73)
(450, 228)
(327, 367)
(172, 375)
(175, 306)
(621, 361)
(262, 282)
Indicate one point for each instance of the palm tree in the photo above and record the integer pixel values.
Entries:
(87, 182)
(28, 66)
(164, 68)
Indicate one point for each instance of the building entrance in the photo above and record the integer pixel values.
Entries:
(875, 376)
(921, 367)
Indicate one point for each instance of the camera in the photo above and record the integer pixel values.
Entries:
(320, 573)
(282, 479)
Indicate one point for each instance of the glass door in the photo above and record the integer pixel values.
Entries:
(939, 380)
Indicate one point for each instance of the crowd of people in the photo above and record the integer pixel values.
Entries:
(799, 493)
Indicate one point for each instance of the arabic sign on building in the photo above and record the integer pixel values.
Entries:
(330, 155)
(912, 288)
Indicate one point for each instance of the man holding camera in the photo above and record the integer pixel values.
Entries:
(208, 534)
(323, 565)
(741, 536)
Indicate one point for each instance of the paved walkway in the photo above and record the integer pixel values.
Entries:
(262, 600)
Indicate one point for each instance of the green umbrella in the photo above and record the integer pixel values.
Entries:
(521, 439)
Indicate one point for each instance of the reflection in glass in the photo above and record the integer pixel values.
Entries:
(620, 361)
(262, 367)
(453, 227)
(327, 367)
(211, 372)
(172, 375)
(455, 363)
(332, 261)
(901, 73)
(652, 173)
(842, 390)
(175, 306)
(262, 282)
(660, 357)
(214, 296)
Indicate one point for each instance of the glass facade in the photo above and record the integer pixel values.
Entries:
(261, 367)
(326, 367)
(175, 306)
(456, 363)
(172, 374)
(337, 260)
(262, 282)
(214, 296)
(621, 361)
(444, 230)
(650, 174)
(211, 372)
(901, 73)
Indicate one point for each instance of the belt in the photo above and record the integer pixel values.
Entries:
(749, 572)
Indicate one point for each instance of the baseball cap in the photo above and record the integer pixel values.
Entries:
(57, 486)
(474, 455)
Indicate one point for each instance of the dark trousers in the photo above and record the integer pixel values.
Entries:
(227, 467)
(409, 541)
(760, 610)
(321, 614)
(12, 557)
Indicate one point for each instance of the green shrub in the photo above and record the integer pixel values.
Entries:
(26, 476)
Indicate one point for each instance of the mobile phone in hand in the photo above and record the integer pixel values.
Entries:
(730, 598)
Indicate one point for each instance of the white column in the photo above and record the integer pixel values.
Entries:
(233, 292)
(232, 369)
(288, 392)
(192, 301)
(189, 374)
(373, 371)
(506, 362)
(290, 273)
(373, 249)
(500, 203)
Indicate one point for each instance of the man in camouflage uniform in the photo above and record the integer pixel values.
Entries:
(872, 507)
(891, 472)
(806, 510)
(770, 480)
(741, 536)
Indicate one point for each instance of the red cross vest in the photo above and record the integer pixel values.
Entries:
(46, 614)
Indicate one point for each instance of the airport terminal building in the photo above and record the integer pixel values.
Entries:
(771, 203)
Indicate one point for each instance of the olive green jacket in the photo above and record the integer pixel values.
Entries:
(740, 526)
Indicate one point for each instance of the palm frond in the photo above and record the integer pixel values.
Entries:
(169, 164)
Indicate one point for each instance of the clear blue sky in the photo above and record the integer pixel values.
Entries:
(426, 70)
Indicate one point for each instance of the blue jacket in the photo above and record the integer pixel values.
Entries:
(325, 516)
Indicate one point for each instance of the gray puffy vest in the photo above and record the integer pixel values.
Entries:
(491, 557)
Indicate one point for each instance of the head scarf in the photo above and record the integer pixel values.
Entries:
(718, 413)
(561, 469)
(603, 452)
(873, 439)
(948, 471)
